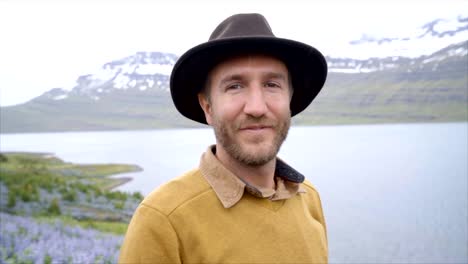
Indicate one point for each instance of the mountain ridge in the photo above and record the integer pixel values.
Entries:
(133, 93)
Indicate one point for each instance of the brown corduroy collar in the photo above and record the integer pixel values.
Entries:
(229, 188)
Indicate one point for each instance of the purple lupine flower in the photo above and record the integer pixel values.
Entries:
(29, 240)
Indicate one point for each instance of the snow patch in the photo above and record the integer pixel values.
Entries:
(128, 68)
(168, 58)
(458, 52)
(355, 70)
(435, 58)
(104, 74)
(413, 43)
(120, 82)
(60, 97)
(145, 69)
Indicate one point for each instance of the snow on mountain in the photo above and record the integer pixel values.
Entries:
(142, 71)
(413, 43)
(347, 65)
(57, 94)
(149, 71)
(453, 52)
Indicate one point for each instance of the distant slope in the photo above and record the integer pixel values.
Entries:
(133, 93)
(427, 89)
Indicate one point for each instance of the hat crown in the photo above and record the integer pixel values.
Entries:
(242, 25)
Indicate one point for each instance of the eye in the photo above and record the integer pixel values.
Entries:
(272, 85)
(234, 86)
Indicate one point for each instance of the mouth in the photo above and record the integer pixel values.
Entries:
(255, 127)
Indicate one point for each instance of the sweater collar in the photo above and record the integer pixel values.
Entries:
(229, 188)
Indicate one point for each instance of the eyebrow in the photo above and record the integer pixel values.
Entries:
(276, 75)
(239, 77)
(230, 78)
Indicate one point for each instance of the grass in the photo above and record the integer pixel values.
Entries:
(43, 169)
(47, 188)
(117, 228)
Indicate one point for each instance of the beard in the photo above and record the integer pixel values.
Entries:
(263, 152)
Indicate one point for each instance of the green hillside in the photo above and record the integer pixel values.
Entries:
(427, 89)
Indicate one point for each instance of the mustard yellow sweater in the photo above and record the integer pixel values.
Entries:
(183, 221)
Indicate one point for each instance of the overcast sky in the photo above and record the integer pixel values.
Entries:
(47, 44)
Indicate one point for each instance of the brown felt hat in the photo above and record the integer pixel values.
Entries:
(246, 33)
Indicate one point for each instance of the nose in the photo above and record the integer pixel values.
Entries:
(255, 104)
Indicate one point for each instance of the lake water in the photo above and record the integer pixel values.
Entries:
(391, 193)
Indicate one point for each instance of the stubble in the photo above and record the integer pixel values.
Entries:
(226, 136)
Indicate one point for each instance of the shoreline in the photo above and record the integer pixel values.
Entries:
(113, 177)
(118, 182)
(299, 121)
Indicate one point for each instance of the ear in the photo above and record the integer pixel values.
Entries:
(206, 106)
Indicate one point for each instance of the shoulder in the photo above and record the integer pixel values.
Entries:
(307, 185)
(311, 194)
(176, 192)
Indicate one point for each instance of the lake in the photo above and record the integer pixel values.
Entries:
(391, 193)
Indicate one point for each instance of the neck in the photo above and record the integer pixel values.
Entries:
(260, 176)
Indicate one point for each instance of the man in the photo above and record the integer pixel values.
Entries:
(243, 204)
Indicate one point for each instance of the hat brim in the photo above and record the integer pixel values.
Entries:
(306, 65)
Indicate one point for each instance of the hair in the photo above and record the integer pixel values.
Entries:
(205, 90)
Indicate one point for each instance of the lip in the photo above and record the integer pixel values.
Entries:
(255, 128)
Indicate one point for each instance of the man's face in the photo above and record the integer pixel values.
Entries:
(247, 103)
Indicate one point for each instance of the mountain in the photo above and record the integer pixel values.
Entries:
(429, 88)
(133, 93)
(411, 42)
